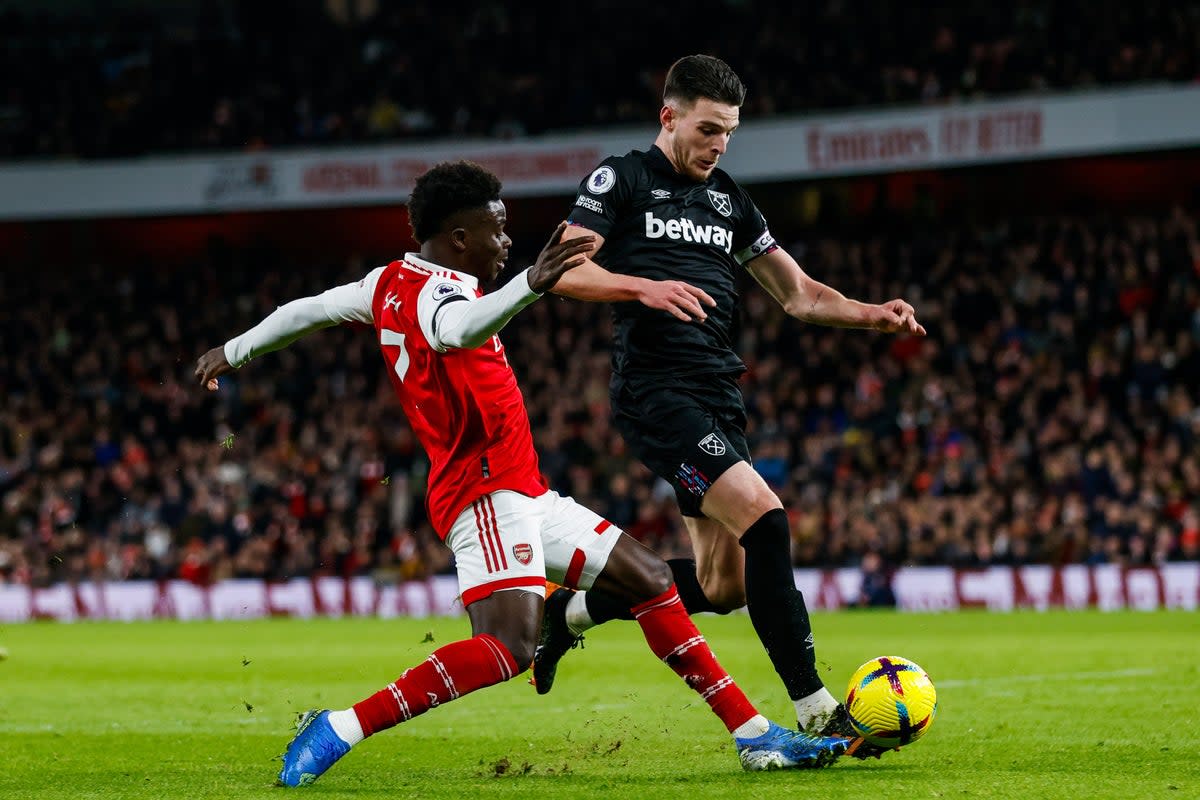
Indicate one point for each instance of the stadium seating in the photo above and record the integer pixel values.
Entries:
(1049, 417)
(228, 76)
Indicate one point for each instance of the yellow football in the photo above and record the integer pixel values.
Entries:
(891, 701)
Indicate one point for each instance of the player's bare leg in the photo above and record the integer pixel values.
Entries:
(720, 562)
(745, 505)
(720, 569)
(635, 574)
(743, 557)
(569, 613)
(504, 626)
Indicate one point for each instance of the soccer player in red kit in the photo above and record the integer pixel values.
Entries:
(487, 500)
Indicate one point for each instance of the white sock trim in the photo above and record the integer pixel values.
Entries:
(814, 711)
(346, 725)
(752, 728)
(578, 619)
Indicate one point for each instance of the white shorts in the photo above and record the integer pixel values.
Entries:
(505, 540)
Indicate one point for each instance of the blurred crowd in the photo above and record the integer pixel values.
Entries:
(230, 74)
(1051, 415)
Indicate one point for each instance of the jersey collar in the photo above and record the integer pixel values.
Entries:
(660, 163)
(470, 280)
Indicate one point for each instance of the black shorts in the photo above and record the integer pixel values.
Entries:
(687, 433)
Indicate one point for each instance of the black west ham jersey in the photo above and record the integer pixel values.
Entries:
(661, 225)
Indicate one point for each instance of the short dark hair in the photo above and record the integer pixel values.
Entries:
(446, 189)
(694, 77)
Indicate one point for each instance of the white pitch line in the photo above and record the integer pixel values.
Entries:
(1054, 676)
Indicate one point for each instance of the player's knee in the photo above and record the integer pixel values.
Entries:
(521, 647)
(726, 597)
(723, 586)
(653, 577)
(518, 634)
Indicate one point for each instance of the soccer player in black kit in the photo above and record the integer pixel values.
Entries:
(673, 232)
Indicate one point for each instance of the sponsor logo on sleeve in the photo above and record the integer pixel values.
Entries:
(602, 180)
(590, 203)
(444, 290)
(721, 202)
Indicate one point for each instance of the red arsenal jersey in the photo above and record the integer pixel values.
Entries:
(464, 405)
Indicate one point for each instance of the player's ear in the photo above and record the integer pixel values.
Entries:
(666, 115)
(458, 239)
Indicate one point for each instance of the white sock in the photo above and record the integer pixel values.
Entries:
(346, 725)
(814, 711)
(578, 619)
(754, 727)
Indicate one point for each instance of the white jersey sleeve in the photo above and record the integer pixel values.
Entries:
(348, 303)
(451, 316)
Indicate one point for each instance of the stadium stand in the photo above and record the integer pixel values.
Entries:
(227, 76)
(1049, 418)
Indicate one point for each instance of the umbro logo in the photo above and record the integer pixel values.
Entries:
(712, 445)
(659, 194)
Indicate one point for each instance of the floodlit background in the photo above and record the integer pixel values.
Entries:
(1025, 174)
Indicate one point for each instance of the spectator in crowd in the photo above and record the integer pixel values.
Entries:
(1042, 421)
(207, 76)
(876, 588)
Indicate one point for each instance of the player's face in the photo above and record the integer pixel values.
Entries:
(699, 135)
(488, 244)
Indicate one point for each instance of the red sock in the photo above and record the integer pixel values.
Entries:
(673, 637)
(449, 673)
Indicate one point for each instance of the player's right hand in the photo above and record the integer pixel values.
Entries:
(896, 316)
(681, 300)
(210, 365)
(557, 257)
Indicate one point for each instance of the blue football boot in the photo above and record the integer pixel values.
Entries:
(780, 748)
(839, 725)
(314, 749)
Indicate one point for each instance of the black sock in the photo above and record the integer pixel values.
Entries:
(602, 606)
(776, 606)
(688, 586)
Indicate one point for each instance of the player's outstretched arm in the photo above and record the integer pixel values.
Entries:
(449, 324)
(286, 324)
(810, 300)
(560, 255)
(211, 366)
(593, 283)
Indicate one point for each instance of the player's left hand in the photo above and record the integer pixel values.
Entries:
(211, 365)
(557, 257)
(897, 316)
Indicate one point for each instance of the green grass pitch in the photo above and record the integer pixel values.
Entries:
(1031, 705)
